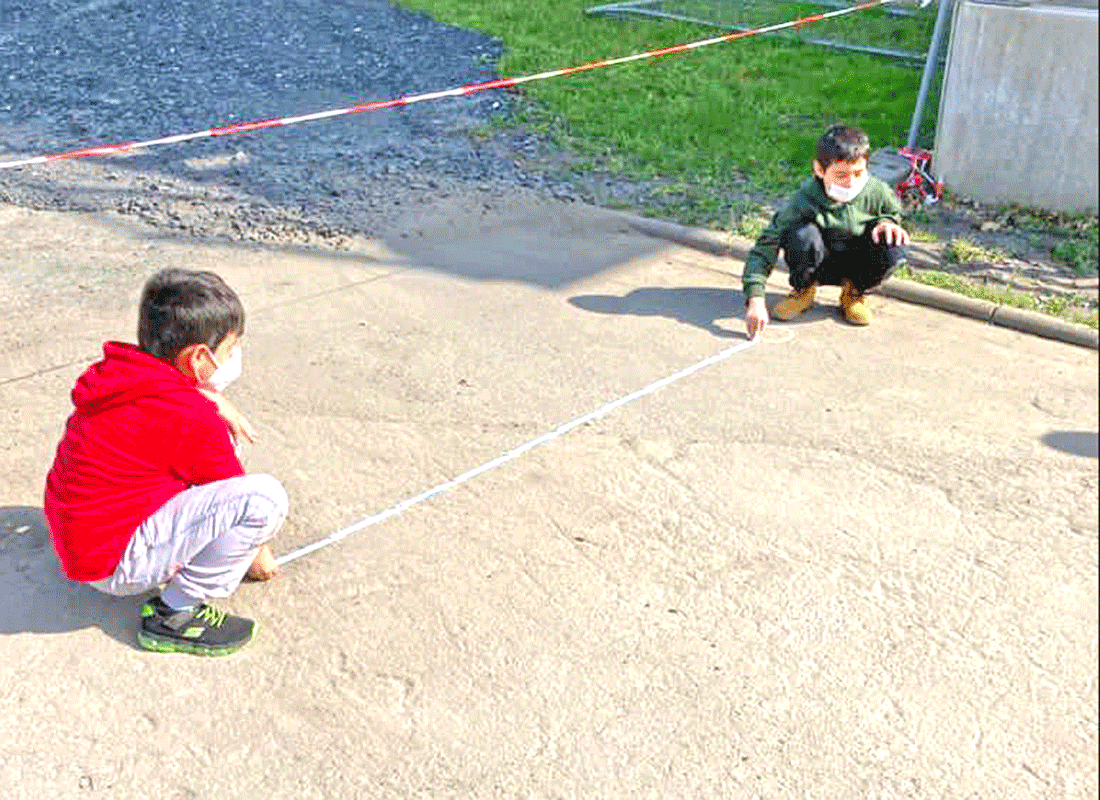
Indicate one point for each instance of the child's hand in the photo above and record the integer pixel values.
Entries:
(756, 316)
(238, 424)
(889, 233)
(263, 567)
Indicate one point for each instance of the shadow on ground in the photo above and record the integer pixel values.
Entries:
(36, 598)
(700, 307)
(1076, 443)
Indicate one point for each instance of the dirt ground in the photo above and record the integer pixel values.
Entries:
(842, 563)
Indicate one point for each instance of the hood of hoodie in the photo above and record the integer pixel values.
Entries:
(124, 375)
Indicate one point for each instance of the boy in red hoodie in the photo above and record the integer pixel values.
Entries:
(146, 488)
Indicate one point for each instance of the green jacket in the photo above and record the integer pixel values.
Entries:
(876, 203)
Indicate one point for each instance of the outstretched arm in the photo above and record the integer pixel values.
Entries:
(238, 424)
(794, 213)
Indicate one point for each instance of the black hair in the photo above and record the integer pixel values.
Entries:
(180, 307)
(842, 143)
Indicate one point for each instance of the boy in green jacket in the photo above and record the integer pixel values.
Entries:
(841, 228)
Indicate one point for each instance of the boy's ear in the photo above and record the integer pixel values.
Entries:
(188, 362)
(819, 170)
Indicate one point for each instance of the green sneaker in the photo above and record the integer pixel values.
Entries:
(202, 631)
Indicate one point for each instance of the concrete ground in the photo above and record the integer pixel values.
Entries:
(845, 563)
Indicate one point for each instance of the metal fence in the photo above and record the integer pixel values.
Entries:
(910, 31)
(901, 31)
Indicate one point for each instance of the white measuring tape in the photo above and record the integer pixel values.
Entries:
(404, 505)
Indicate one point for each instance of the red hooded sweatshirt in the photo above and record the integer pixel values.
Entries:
(141, 434)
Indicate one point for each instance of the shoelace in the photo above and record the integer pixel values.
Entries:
(211, 615)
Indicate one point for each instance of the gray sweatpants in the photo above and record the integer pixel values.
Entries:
(202, 541)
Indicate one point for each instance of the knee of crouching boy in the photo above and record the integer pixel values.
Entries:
(268, 488)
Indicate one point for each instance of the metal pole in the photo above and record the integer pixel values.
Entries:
(930, 64)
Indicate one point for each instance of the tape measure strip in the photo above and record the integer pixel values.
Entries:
(404, 505)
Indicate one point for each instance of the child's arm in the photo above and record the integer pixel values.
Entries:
(887, 230)
(204, 449)
(238, 424)
(761, 261)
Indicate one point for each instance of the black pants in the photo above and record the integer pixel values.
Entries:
(826, 259)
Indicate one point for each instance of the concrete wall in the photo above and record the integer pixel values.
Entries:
(1018, 114)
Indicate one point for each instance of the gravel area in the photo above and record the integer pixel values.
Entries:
(74, 74)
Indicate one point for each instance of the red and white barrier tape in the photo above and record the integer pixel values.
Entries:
(461, 91)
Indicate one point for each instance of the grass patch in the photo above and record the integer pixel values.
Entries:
(740, 117)
(953, 283)
(1071, 238)
(1052, 222)
(919, 215)
(963, 251)
(748, 219)
(1080, 254)
(918, 234)
(1058, 306)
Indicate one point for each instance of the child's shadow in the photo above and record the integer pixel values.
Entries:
(36, 598)
(691, 305)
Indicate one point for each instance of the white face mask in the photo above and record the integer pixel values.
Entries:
(839, 194)
(228, 372)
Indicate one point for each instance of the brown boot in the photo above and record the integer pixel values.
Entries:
(795, 303)
(854, 305)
